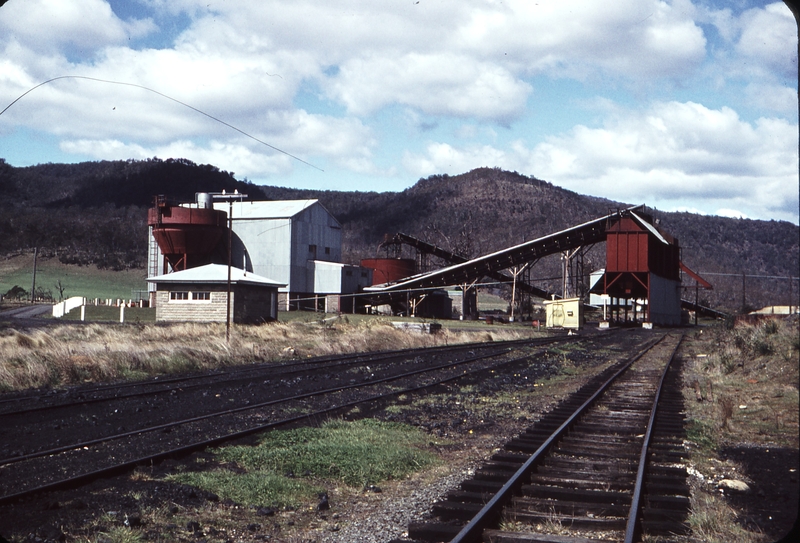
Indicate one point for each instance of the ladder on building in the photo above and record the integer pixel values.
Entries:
(153, 254)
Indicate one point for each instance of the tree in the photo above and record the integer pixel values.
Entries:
(60, 288)
(16, 293)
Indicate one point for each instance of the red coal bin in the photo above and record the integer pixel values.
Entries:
(187, 236)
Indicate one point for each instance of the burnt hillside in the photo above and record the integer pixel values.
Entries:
(95, 213)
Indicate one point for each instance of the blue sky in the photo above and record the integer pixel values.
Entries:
(677, 104)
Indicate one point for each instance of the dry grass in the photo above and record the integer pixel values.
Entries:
(714, 521)
(744, 382)
(70, 354)
(741, 389)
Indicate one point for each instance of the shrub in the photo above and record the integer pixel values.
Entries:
(762, 346)
(728, 362)
(771, 327)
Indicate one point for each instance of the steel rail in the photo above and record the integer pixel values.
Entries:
(192, 447)
(245, 374)
(74, 446)
(472, 532)
(239, 373)
(495, 349)
(234, 373)
(632, 527)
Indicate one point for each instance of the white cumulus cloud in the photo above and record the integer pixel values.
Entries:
(769, 38)
(434, 84)
(77, 28)
(673, 155)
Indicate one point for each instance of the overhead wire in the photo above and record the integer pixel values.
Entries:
(212, 117)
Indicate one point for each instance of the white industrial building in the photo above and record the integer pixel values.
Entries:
(297, 243)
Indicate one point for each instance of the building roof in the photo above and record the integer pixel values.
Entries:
(215, 274)
(650, 228)
(776, 310)
(272, 209)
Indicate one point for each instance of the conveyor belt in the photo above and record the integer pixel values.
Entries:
(472, 270)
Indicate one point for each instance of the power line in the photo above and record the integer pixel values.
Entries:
(790, 277)
(163, 96)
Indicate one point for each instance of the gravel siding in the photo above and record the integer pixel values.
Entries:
(388, 519)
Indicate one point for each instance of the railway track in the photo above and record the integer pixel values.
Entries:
(38, 422)
(605, 464)
(96, 448)
(40, 400)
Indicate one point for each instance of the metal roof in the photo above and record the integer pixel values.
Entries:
(215, 274)
(584, 234)
(272, 209)
(650, 228)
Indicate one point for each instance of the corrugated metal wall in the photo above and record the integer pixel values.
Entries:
(627, 252)
(665, 301)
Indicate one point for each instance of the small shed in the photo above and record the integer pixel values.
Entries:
(566, 313)
(201, 295)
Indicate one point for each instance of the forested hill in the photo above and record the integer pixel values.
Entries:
(119, 183)
(95, 213)
(471, 214)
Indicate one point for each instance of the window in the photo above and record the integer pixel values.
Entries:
(189, 296)
(327, 250)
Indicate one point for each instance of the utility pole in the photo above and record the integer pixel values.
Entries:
(230, 250)
(33, 282)
(230, 198)
(744, 293)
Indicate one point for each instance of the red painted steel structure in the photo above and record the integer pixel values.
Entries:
(642, 263)
(187, 236)
(386, 270)
(631, 247)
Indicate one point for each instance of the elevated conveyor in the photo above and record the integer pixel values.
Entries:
(453, 258)
(470, 271)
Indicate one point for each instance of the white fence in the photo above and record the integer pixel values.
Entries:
(62, 308)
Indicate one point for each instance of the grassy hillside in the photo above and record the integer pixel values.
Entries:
(88, 281)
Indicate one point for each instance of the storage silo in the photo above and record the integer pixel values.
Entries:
(387, 270)
(187, 236)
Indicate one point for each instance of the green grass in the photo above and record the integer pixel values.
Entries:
(121, 534)
(490, 302)
(702, 433)
(256, 488)
(104, 313)
(85, 281)
(286, 467)
(357, 453)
